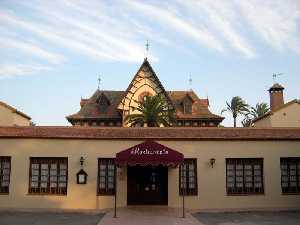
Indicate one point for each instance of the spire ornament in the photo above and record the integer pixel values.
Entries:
(147, 46)
(99, 82)
(190, 82)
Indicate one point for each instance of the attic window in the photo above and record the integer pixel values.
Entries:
(142, 97)
(103, 102)
(187, 106)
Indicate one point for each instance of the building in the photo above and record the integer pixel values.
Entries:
(224, 168)
(98, 162)
(109, 108)
(9, 116)
(281, 114)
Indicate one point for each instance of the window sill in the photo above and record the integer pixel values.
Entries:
(195, 193)
(43, 194)
(245, 194)
(106, 195)
(291, 193)
(4, 193)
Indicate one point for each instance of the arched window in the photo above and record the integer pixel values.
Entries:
(142, 96)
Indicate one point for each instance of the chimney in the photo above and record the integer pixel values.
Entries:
(276, 96)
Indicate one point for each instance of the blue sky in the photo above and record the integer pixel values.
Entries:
(52, 52)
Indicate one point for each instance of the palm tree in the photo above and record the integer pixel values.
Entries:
(259, 110)
(247, 121)
(236, 107)
(152, 111)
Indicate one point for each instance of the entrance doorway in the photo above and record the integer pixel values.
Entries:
(147, 185)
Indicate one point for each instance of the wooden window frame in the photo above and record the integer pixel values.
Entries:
(48, 190)
(289, 161)
(244, 190)
(188, 190)
(4, 190)
(106, 191)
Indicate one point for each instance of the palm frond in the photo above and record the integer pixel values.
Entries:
(154, 111)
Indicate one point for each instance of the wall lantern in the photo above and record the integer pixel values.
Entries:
(212, 161)
(81, 175)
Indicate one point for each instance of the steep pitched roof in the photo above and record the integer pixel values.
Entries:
(277, 109)
(14, 110)
(91, 109)
(146, 64)
(177, 96)
(199, 109)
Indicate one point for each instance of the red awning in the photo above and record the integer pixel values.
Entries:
(149, 153)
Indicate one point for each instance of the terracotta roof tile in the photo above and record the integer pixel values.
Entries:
(152, 133)
(90, 108)
(199, 109)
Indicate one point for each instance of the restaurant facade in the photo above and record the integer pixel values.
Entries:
(90, 168)
(102, 160)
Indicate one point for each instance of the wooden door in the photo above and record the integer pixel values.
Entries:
(147, 185)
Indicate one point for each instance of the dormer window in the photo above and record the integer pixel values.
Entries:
(103, 103)
(187, 104)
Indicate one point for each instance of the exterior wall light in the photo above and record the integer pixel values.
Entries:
(81, 175)
(81, 161)
(212, 161)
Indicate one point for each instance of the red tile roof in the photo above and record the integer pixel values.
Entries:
(152, 133)
(90, 109)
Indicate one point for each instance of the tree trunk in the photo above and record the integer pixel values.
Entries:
(234, 121)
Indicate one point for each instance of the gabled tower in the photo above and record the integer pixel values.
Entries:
(144, 83)
(110, 108)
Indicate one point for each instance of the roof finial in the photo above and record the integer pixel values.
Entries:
(147, 45)
(275, 75)
(190, 82)
(99, 82)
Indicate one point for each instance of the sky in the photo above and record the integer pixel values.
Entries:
(52, 52)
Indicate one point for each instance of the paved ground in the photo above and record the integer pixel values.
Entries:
(151, 216)
(148, 216)
(43, 218)
(250, 218)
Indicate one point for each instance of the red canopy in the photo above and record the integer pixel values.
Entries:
(149, 153)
